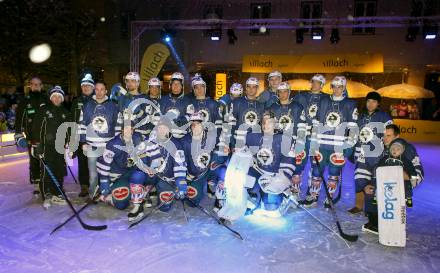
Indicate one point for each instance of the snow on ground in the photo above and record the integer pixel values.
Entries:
(166, 243)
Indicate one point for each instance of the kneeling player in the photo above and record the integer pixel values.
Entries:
(118, 176)
(273, 166)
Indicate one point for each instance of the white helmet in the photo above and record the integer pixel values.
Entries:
(133, 76)
(196, 116)
(252, 81)
(283, 86)
(319, 78)
(339, 81)
(197, 80)
(236, 89)
(177, 76)
(154, 82)
(274, 73)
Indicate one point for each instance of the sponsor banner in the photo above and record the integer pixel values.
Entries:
(419, 130)
(152, 62)
(357, 63)
(220, 85)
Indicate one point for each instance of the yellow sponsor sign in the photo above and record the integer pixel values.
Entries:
(152, 62)
(220, 85)
(357, 63)
(419, 130)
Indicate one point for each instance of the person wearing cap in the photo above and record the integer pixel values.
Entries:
(87, 88)
(175, 105)
(269, 96)
(292, 123)
(332, 141)
(371, 123)
(24, 135)
(244, 117)
(153, 108)
(47, 121)
(396, 152)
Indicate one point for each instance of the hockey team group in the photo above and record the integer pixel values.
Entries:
(247, 151)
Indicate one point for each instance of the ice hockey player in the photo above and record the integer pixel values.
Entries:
(292, 123)
(119, 179)
(245, 115)
(397, 152)
(310, 103)
(269, 96)
(166, 164)
(46, 123)
(97, 125)
(199, 154)
(207, 107)
(87, 87)
(130, 107)
(24, 136)
(153, 109)
(235, 91)
(372, 122)
(175, 105)
(335, 137)
(273, 167)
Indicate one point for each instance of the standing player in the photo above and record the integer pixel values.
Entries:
(175, 105)
(97, 126)
(292, 123)
(371, 123)
(310, 103)
(269, 96)
(87, 87)
(154, 94)
(336, 136)
(24, 136)
(47, 121)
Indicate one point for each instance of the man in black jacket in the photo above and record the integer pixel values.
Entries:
(24, 135)
(47, 121)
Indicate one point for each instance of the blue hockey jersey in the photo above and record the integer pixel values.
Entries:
(97, 122)
(210, 110)
(310, 102)
(176, 108)
(138, 117)
(271, 154)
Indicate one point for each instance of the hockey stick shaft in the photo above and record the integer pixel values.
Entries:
(205, 211)
(58, 186)
(79, 211)
(71, 173)
(146, 215)
(348, 237)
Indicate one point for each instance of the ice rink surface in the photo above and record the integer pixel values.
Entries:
(166, 243)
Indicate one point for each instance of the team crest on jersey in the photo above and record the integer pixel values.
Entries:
(313, 110)
(302, 116)
(166, 197)
(333, 119)
(191, 192)
(108, 156)
(337, 159)
(251, 118)
(203, 160)
(221, 109)
(121, 193)
(205, 114)
(179, 156)
(174, 111)
(130, 162)
(99, 124)
(265, 156)
(285, 122)
(190, 109)
(366, 135)
(158, 164)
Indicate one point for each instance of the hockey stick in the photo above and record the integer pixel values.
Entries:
(57, 185)
(184, 211)
(348, 237)
(146, 215)
(92, 201)
(71, 173)
(205, 211)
